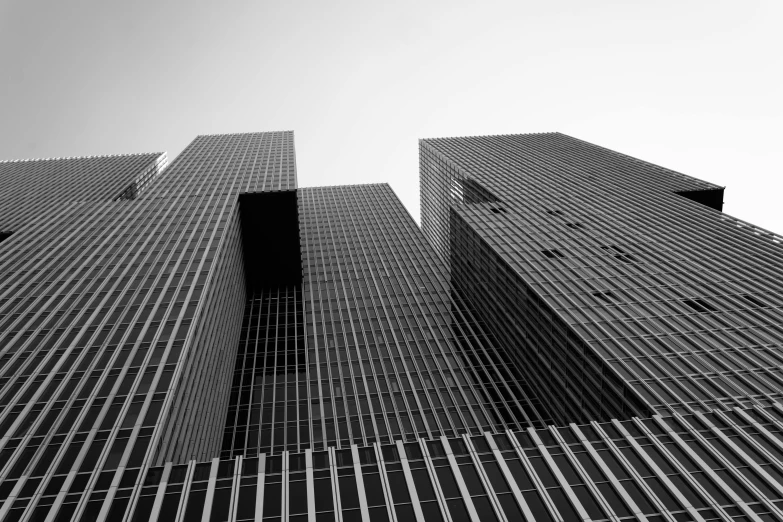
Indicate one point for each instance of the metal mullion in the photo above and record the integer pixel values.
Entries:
(283, 486)
(534, 478)
(310, 485)
(327, 239)
(707, 470)
(772, 483)
(83, 328)
(236, 480)
(273, 343)
(337, 230)
(384, 484)
(217, 211)
(183, 498)
(659, 474)
(481, 349)
(321, 366)
(557, 473)
(210, 495)
(513, 486)
(406, 280)
(406, 470)
(357, 468)
(345, 285)
(259, 486)
(589, 483)
(485, 482)
(774, 441)
(335, 484)
(607, 472)
(371, 241)
(159, 496)
(435, 482)
(372, 283)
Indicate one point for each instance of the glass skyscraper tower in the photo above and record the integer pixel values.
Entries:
(572, 334)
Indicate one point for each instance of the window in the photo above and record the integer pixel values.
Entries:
(749, 298)
(607, 297)
(700, 305)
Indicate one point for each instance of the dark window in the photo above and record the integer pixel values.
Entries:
(431, 511)
(349, 495)
(639, 497)
(323, 494)
(297, 497)
(246, 507)
(688, 492)
(552, 253)
(423, 485)
(373, 489)
(390, 453)
(220, 504)
(352, 515)
(379, 514)
(755, 301)
(399, 487)
(404, 512)
(543, 472)
(272, 499)
(168, 509)
(471, 479)
(447, 483)
(700, 305)
(520, 474)
(536, 505)
(510, 507)
(344, 458)
(588, 502)
(607, 297)
(484, 509)
(617, 504)
(562, 504)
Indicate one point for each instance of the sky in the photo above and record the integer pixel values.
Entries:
(690, 85)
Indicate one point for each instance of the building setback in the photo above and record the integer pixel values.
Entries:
(572, 334)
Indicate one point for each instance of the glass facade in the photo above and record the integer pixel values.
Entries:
(572, 334)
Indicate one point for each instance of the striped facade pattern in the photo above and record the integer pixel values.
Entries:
(673, 305)
(120, 316)
(700, 467)
(569, 336)
(389, 354)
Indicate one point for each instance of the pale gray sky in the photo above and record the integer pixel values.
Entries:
(693, 85)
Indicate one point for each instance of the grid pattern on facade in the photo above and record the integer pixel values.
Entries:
(724, 466)
(113, 315)
(33, 190)
(268, 410)
(401, 380)
(389, 354)
(559, 365)
(682, 302)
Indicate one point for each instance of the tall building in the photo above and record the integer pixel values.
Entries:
(572, 334)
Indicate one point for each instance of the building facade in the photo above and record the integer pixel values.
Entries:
(572, 334)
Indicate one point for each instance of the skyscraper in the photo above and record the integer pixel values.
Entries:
(573, 334)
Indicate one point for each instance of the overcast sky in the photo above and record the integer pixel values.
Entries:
(692, 85)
